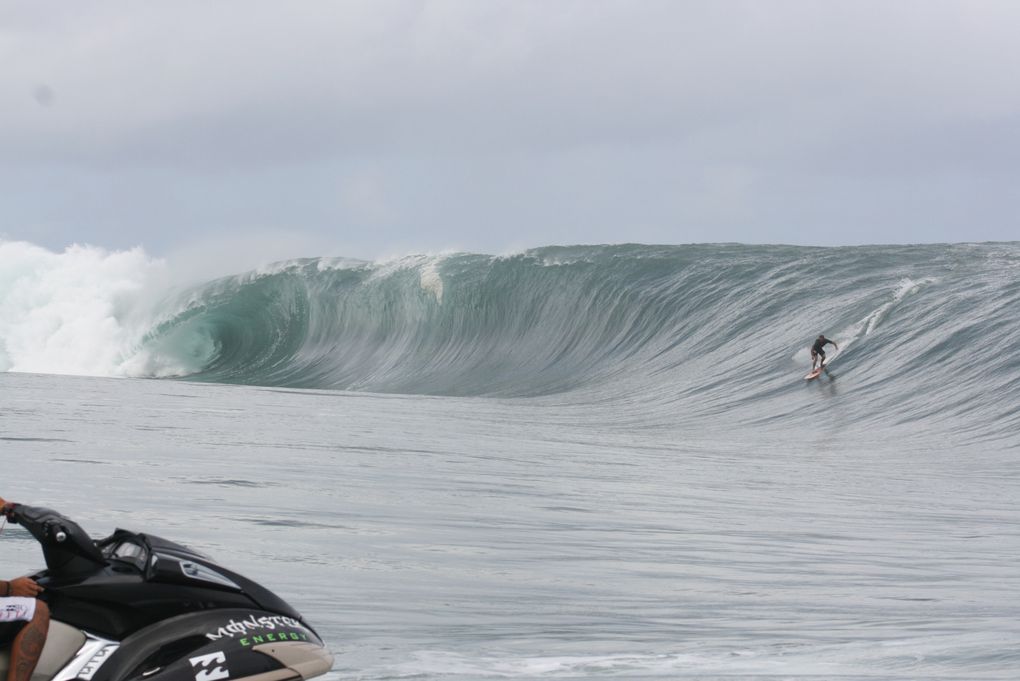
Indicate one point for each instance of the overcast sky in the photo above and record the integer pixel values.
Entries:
(376, 128)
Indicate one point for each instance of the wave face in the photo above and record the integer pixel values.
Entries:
(924, 330)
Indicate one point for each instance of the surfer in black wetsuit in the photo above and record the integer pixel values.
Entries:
(817, 350)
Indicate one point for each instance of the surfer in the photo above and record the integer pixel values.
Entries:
(818, 351)
(23, 620)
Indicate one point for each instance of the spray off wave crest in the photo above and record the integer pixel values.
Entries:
(698, 330)
(77, 312)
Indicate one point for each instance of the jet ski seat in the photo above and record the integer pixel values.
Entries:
(62, 642)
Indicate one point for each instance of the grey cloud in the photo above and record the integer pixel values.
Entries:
(483, 123)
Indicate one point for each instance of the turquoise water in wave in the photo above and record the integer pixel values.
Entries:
(577, 462)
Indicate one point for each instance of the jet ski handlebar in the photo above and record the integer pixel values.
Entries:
(66, 546)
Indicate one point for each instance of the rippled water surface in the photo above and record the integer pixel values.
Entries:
(479, 538)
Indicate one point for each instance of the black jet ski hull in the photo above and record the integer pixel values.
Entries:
(215, 646)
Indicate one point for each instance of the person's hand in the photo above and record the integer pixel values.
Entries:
(25, 586)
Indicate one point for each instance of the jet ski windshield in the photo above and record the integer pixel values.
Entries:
(129, 551)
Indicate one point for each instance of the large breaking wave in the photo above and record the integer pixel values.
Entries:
(925, 331)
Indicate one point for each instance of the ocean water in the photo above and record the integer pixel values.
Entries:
(571, 462)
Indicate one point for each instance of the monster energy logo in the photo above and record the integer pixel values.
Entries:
(252, 623)
(274, 637)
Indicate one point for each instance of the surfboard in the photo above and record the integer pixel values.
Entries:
(815, 374)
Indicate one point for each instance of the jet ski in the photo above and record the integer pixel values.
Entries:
(137, 607)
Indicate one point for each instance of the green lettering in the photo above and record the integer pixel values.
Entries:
(244, 642)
